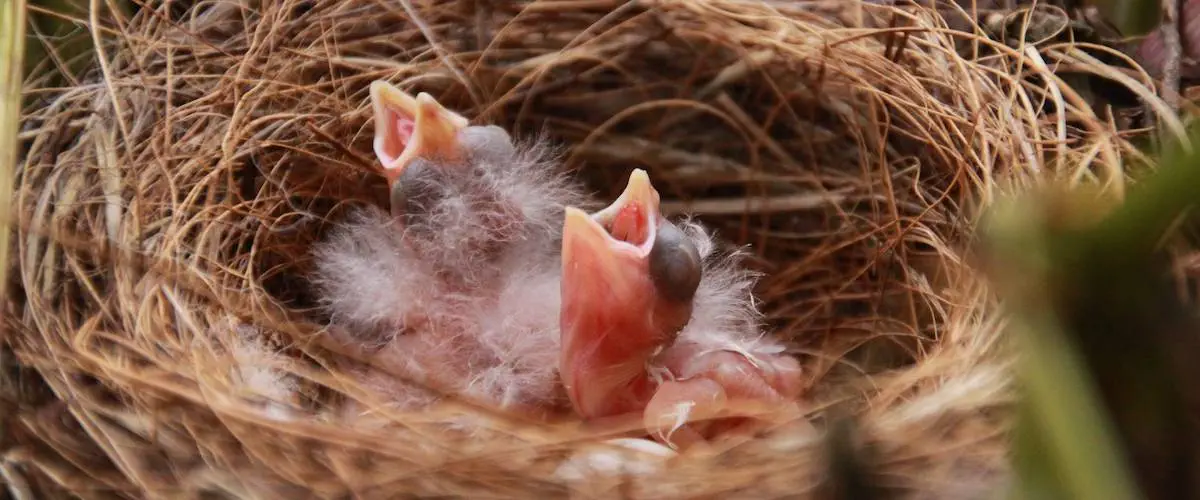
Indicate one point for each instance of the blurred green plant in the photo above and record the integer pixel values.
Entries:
(1109, 353)
(60, 44)
(1132, 17)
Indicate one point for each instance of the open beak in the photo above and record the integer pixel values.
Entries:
(613, 319)
(407, 128)
(607, 248)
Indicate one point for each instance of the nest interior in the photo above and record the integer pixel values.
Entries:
(181, 182)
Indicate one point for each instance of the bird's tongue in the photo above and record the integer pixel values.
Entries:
(405, 126)
(632, 217)
(631, 224)
(395, 138)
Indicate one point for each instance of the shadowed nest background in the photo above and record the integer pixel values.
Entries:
(175, 188)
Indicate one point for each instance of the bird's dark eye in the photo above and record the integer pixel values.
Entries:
(675, 264)
(488, 142)
(415, 191)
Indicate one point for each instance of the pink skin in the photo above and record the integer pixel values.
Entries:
(620, 353)
(604, 354)
(711, 385)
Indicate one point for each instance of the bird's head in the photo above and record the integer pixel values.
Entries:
(629, 277)
(421, 145)
(407, 128)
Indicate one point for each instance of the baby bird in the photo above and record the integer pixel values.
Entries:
(469, 195)
(655, 321)
(459, 283)
(489, 277)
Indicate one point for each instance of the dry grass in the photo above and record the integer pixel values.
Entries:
(182, 181)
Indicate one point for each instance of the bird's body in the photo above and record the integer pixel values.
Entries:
(726, 329)
(723, 343)
(475, 281)
(670, 318)
(497, 347)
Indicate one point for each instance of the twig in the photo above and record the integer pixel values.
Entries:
(18, 487)
(12, 51)
(1173, 53)
(733, 206)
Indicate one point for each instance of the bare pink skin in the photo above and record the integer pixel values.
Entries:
(612, 319)
(626, 349)
(705, 388)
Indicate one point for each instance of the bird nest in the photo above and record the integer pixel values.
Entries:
(170, 197)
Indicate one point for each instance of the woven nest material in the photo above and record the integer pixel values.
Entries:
(169, 199)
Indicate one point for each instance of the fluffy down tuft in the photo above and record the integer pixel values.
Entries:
(725, 314)
(366, 279)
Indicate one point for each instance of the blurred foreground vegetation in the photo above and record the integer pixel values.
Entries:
(57, 38)
(1109, 356)
(1108, 347)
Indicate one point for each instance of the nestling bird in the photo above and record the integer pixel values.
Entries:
(655, 320)
(490, 276)
(470, 197)
(460, 281)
